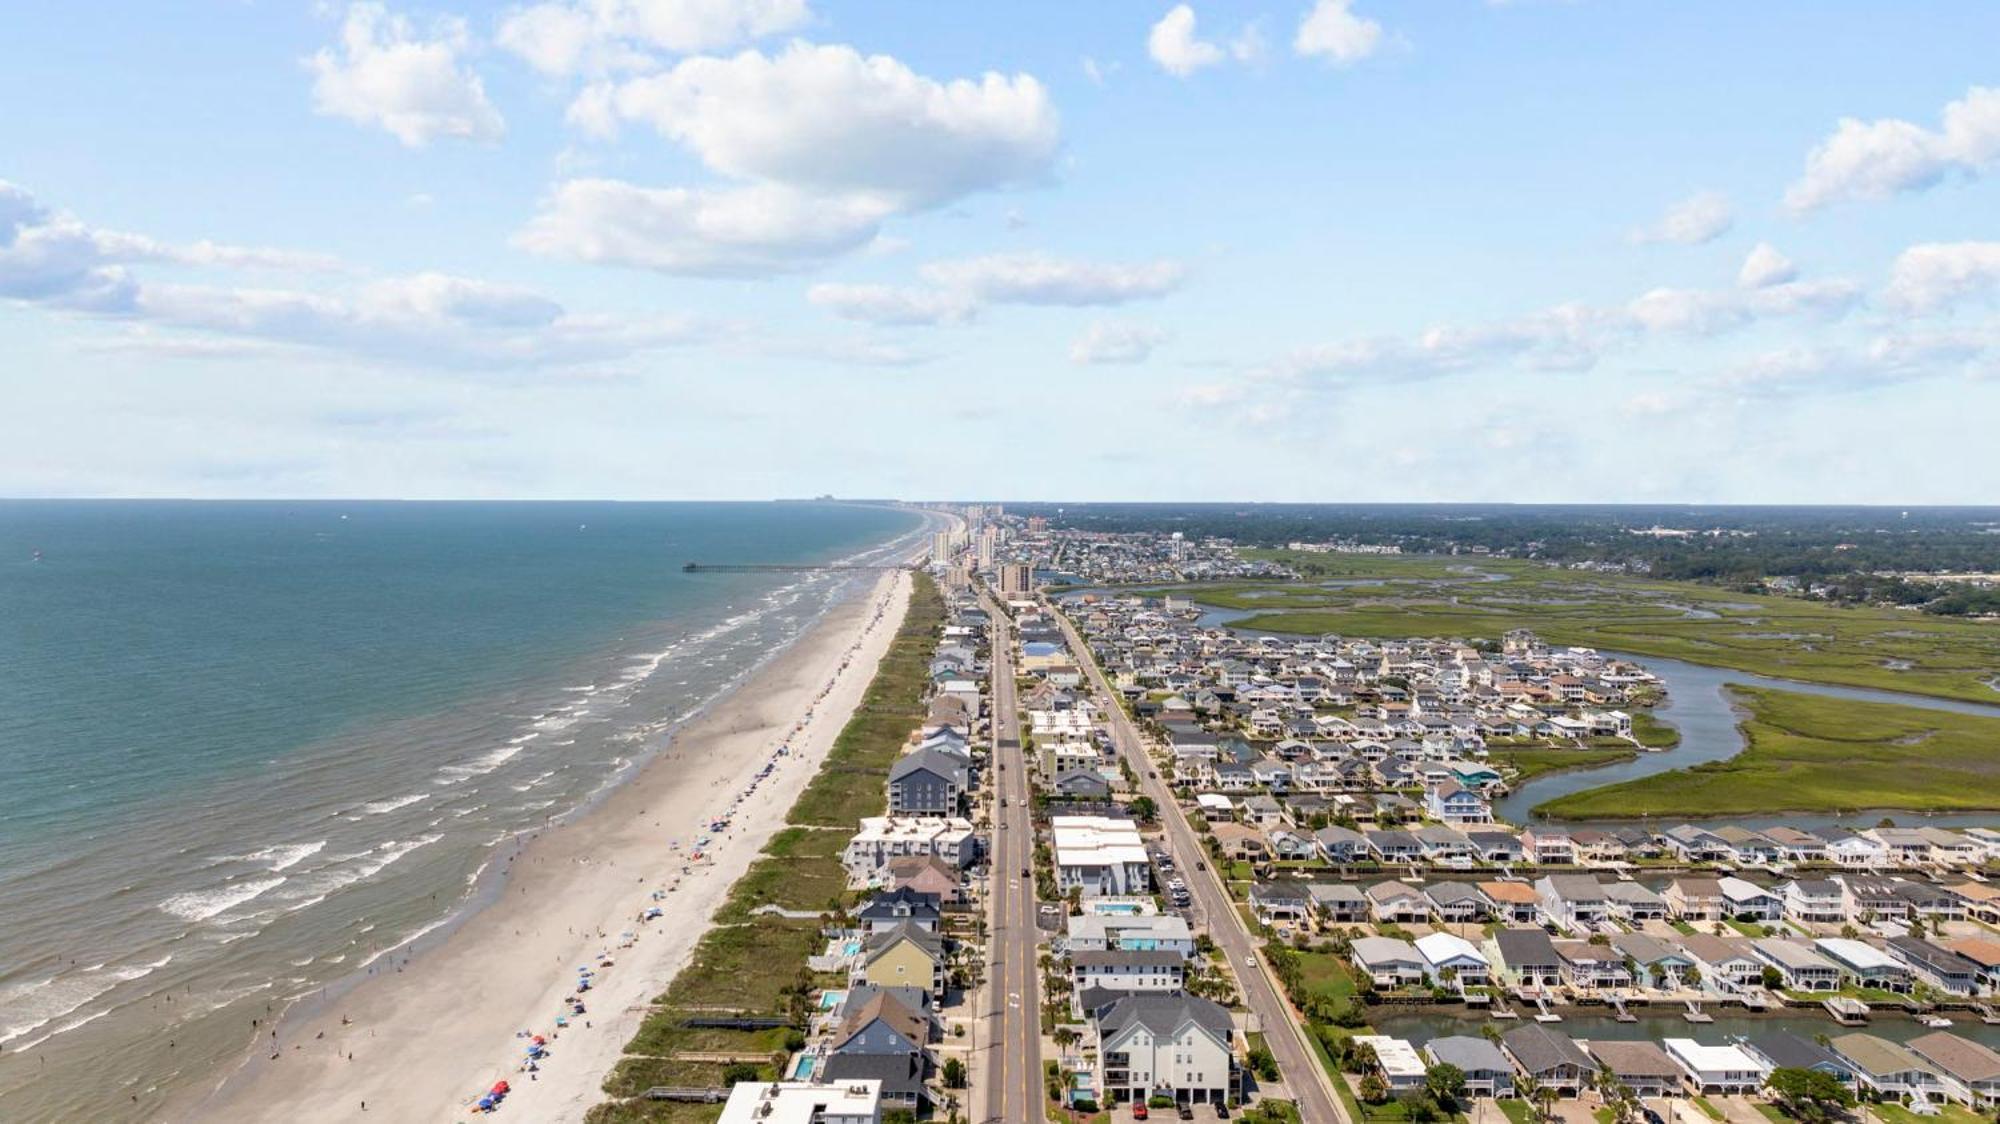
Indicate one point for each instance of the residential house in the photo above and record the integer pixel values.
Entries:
(1727, 1069)
(1129, 970)
(1886, 1070)
(1487, 1071)
(1863, 965)
(1814, 901)
(1177, 1046)
(1747, 901)
(1801, 968)
(905, 956)
(1970, 1070)
(929, 782)
(1572, 902)
(1396, 903)
(1401, 1067)
(1388, 962)
(1527, 958)
(1942, 968)
(1340, 903)
(1447, 956)
(1553, 1059)
(1514, 902)
(1640, 1066)
(1280, 903)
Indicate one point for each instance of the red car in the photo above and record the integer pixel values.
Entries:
(1138, 1111)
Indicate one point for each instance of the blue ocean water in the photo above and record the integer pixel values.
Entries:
(247, 745)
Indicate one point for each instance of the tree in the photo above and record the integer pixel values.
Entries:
(1619, 1098)
(954, 1073)
(1263, 1063)
(1808, 1094)
(1772, 978)
(1143, 809)
(1446, 1083)
(1361, 1058)
(899, 1116)
(1419, 1107)
(1530, 1091)
(736, 1072)
(1373, 1089)
(1066, 1036)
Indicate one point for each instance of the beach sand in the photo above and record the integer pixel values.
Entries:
(422, 1038)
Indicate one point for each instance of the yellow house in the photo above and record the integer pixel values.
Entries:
(905, 956)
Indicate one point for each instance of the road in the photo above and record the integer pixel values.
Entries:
(1013, 1078)
(1300, 1068)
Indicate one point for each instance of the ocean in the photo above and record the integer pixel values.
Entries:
(248, 747)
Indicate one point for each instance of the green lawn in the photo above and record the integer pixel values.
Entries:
(1516, 1110)
(1787, 637)
(1947, 1114)
(1708, 1108)
(1808, 753)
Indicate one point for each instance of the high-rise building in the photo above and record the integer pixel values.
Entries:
(1016, 578)
(1037, 524)
(941, 546)
(989, 541)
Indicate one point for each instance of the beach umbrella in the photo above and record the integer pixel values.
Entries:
(486, 1103)
(501, 1089)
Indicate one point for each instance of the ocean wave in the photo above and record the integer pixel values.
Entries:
(384, 807)
(200, 905)
(485, 762)
(37, 1003)
(282, 856)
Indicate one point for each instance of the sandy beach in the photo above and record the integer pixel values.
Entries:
(426, 1034)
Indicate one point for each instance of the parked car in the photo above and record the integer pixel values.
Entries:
(1138, 1110)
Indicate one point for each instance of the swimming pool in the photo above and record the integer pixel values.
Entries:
(831, 999)
(804, 1070)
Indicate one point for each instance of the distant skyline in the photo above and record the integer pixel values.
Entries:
(1318, 250)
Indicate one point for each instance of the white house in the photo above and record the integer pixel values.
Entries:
(1100, 854)
(804, 1102)
(1176, 1046)
(1444, 952)
(1715, 1069)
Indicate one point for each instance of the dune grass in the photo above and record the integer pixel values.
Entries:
(755, 963)
(1532, 763)
(1811, 753)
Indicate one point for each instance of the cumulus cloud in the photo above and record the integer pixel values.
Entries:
(1936, 275)
(46, 256)
(1705, 312)
(1872, 160)
(1108, 341)
(826, 143)
(595, 36)
(1033, 278)
(1173, 44)
(385, 73)
(1701, 217)
(1766, 266)
(888, 304)
(1331, 31)
(730, 232)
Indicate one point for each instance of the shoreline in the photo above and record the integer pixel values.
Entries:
(506, 960)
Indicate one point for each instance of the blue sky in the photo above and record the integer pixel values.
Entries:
(1313, 250)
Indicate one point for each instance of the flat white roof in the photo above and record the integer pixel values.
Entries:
(1440, 948)
(1855, 954)
(1709, 1059)
(1398, 1058)
(800, 1102)
(1096, 841)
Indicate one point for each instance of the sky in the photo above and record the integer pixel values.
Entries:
(1310, 250)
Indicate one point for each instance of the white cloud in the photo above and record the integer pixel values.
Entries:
(1705, 312)
(747, 231)
(594, 36)
(887, 304)
(1766, 266)
(1033, 278)
(1872, 160)
(50, 257)
(1332, 31)
(1933, 276)
(1701, 217)
(828, 119)
(1109, 341)
(1172, 43)
(821, 144)
(1883, 361)
(383, 73)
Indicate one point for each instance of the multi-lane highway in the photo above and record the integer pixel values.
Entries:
(1013, 1054)
(1303, 1075)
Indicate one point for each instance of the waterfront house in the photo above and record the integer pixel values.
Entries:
(1487, 1071)
(1458, 902)
(1572, 902)
(1657, 962)
(929, 782)
(905, 956)
(1747, 901)
(1872, 898)
(1795, 846)
(1864, 965)
(851, 1101)
(1445, 953)
(1553, 1059)
(1396, 903)
(1640, 1066)
(1499, 847)
(1587, 966)
(1452, 802)
(1783, 1050)
(1801, 968)
(1970, 1070)
(1340, 845)
(1545, 845)
(1340, 903)
(1818, 901)
(1727, 1069)
(887, 910)
(1176, 1046)
(1387, 961)
(1696, 844)
(1277, 903)
(1940, 967)
(1527, 958)
(1695, 899)
(1633, 903)
(1885, 1070)
(1726, 963)
(1513, 902)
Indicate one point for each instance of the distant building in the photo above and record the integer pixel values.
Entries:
(1016, 578)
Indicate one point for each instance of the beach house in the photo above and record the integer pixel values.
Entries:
(1176, 1046)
